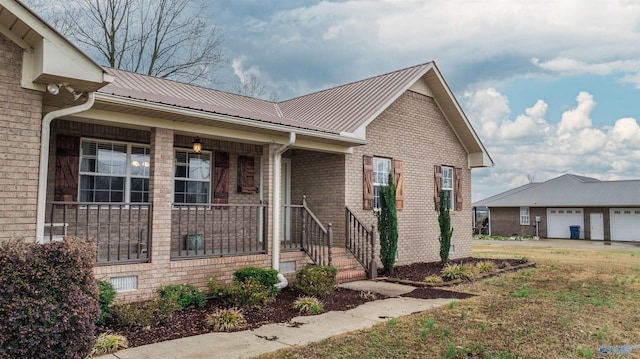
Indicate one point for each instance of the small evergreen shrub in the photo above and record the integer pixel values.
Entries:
(144, 314)
(456, 271)
(316, 281)
(268, 277)
(108, 343)
(217, 288)
(388, 226)
(184, 295)
(224, 320)
(433, 279)
(48, 299)
(105, 298)
(308, 305)
(250, 293)
(446, 232)
(485, 267)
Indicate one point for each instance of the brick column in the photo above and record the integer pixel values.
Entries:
(20, 122)
(160, 188)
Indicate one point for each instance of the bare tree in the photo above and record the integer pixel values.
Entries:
(162, 38)
(252, 87)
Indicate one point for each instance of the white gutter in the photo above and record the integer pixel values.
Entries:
(277, 163)
(44, 158)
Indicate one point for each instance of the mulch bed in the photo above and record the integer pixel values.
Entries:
(418, 271)
(191, 321)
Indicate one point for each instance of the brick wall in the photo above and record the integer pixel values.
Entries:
(320, 177)
(414, 130)
(20, 123)
(506, 222)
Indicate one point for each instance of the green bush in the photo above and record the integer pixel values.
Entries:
(446, 232)
(316, 281)
(250, 293)
(144, 314)
(48, 299)
(267, 277)
(388, 226)
(184, 295)
(106, 296)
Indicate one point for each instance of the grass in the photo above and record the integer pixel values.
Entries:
(574, 302)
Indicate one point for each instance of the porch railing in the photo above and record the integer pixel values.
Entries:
(121, 230)
(361, 242)
(217, 230)
(301, 230)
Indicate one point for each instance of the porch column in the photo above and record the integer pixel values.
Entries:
(160, 185)
(267, 191)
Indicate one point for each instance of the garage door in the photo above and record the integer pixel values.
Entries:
(559, 220)
(625, 224)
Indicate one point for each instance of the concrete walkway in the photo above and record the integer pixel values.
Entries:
(300, 331)
(565, 243)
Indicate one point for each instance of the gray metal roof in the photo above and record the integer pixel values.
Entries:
(568, 191)
(347, 107)
(167, 92)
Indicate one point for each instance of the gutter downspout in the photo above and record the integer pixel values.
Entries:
(44, 158)
(277, 164)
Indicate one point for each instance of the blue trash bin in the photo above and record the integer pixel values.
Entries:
(575, 232)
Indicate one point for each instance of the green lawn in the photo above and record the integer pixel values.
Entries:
(573, 303)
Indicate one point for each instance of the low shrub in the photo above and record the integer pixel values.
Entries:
(456, 271)
(108, 343)
(144, 314)
(250, 293)
(48, 299)
(267, 277)
(485, 267)
(217, 288)
(316, 281)
(308, 305)
(433, 279)
(184, 295)
(106, 296)
(224, 320)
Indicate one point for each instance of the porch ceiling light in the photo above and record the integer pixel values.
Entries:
(53, 89)
(197, 145)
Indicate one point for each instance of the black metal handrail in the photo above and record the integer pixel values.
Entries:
(303, 231)
(360, 241)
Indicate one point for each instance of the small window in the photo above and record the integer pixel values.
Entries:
(637, 212)
(553, 211)
(381, 170)
(560, 211)
(447, 185)
(578, 211)
(627, 212)
(192, 177)
(524, 216)
(616, 212)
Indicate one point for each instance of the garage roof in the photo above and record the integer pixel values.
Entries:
(568, 191)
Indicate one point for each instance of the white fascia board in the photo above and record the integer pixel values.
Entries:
(135, 103)
(480, 159)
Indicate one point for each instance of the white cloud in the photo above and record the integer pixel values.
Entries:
(241, 72)
(578, 118)
(571, 144)
(574, 66)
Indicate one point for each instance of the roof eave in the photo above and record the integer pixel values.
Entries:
(255, 124)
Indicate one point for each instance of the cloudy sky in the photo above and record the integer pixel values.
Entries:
(551, 87)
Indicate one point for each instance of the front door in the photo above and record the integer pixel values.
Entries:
(597, 226)
(285, 199)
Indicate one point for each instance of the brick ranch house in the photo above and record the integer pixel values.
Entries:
(601, 210)
(104, 153)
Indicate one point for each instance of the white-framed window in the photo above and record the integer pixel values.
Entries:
(447, 186)
(524, 216)
(192, 177)
(114, 171)
(381, 170)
